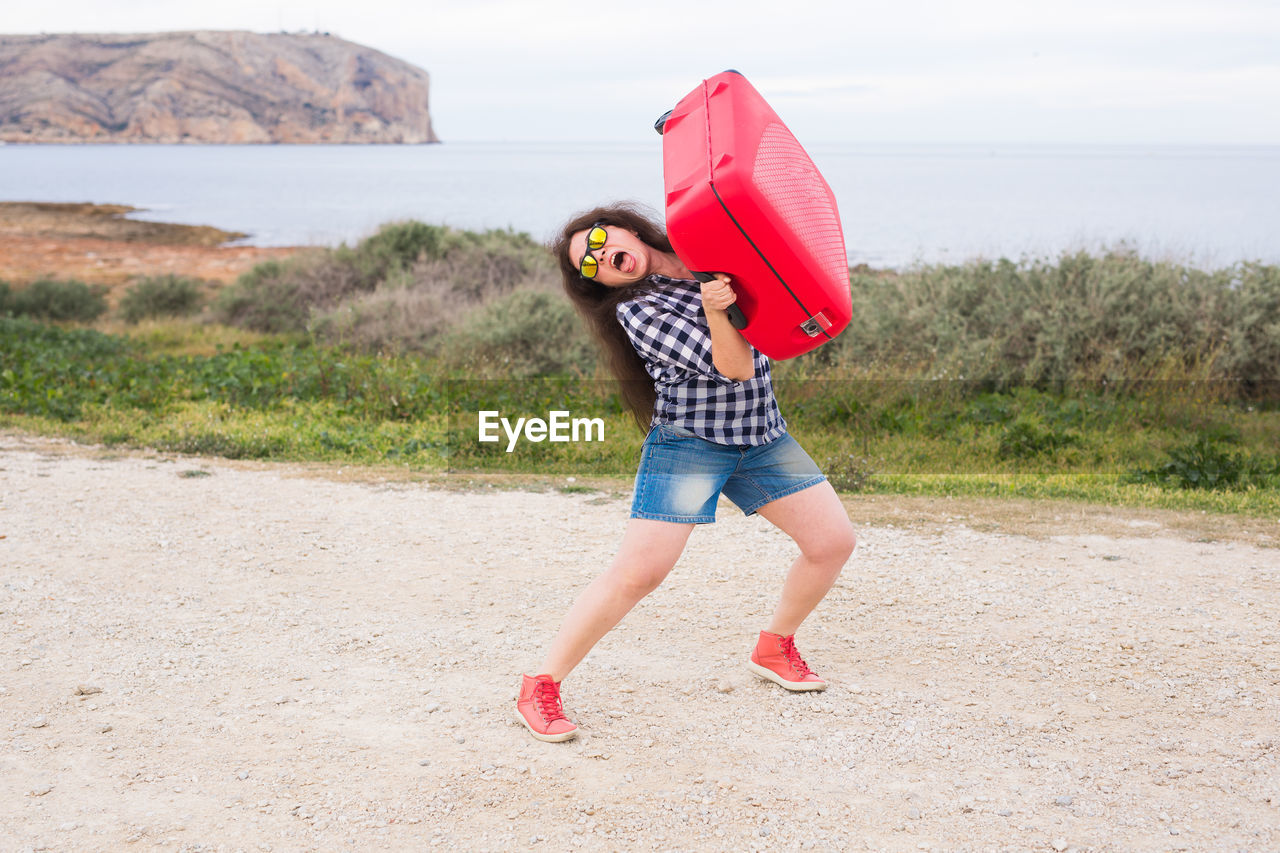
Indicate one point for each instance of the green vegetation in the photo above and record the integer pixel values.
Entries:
(1109, 379)
(1114, 317)
(161, 296)
(51, 299)
(403, 287)
(284, 399)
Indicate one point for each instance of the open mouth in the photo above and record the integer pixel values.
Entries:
(620, 261)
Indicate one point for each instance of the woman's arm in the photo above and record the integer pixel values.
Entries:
(730, 352)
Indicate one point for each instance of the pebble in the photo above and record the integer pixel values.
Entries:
(1063, 801)
(724, 687)
(87, 690)
(104, 728)
(39, 722)
(1059, 844)
(40, 790)
(432, 708)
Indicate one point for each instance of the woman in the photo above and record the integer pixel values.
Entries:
(704, 395)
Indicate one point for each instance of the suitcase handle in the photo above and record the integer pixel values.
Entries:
(736, 317)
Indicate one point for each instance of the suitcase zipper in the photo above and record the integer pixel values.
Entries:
(817, 324)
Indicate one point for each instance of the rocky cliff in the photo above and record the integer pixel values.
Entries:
(232, 87)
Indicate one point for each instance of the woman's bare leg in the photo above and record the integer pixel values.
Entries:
(815, 518)
(648, 552)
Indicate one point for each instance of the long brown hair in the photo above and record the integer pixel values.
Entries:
(598, 304)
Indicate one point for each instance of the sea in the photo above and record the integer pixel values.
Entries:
(900, 205)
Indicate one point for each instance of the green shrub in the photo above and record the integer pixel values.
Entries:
(51, 299)
(1200, 464)
(1081, 317)
(161, 296)
(525, 333)
(270, 298)
(990, 409)
(401, 287)
(389, 318)
(1252, 333)
(395, 246)
(1028, 436)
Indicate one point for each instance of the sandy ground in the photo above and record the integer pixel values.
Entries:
(203, 655)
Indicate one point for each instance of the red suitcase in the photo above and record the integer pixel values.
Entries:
(743, 198)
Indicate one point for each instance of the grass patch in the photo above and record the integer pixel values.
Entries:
(933, 393)
(1104, 489)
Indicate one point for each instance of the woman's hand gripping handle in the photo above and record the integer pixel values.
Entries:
(730, 352)
(736, 317)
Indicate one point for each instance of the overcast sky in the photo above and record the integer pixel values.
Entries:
(981, 71)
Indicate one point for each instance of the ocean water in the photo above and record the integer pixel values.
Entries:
(900, 205)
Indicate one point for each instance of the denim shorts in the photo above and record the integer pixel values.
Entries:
(682, 476)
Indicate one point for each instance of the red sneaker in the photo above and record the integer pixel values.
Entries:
(775, 658)
(540, 710)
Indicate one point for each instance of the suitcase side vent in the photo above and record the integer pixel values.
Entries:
(791, 183)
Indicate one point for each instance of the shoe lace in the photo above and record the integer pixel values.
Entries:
(793, 657)
(546, 696)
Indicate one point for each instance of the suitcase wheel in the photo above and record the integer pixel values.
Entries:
(662, 121)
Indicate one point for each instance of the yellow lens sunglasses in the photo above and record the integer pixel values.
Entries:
(596, 238)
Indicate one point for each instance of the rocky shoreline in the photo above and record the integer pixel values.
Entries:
(99, 244)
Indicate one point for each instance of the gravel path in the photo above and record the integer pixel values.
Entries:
(201, 655)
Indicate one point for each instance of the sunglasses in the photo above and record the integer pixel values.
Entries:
(596, 237)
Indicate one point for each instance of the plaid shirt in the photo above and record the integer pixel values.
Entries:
(669, 330)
